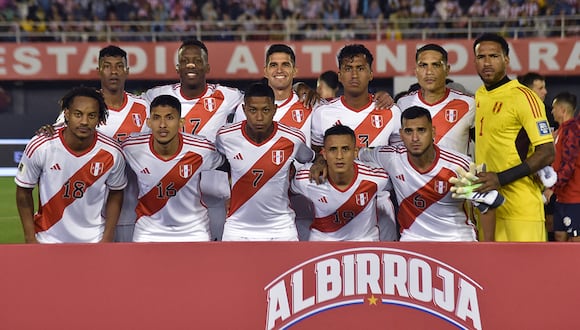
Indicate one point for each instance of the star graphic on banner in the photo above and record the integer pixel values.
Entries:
(372, 300)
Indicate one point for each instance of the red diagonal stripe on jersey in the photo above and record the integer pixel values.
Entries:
(348, 210)
(370, 127)
(51, 212)
(412, 206)
(248, 184)
(156, 198)
(129, 125)
(293, 119)
(446, 118)
(199, 114)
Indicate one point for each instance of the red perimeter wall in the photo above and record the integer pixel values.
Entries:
(281, 285)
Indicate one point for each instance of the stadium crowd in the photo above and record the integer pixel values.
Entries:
(310, 19)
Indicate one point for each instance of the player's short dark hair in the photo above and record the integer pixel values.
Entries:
(568, 98)
(415, 112)
(433, 47)
(348, 52)
(166, 100)
(112, 51)
(259, 90)
(529, 78)
(194, 42)
(339, 130)
(495, 38)
(66, 101)
(281, 48)
(330, 78)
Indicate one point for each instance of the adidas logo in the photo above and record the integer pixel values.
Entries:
(145, 171)
(55, 167)
(323, 200)
(337, 123)
(400, 177)
(239, 156)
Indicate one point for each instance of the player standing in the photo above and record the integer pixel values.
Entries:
(420, 172)
(567, 165)
(260, 153)
(205, 108)
(453, 112)
(345, 205)
(513, 139)
(280, 70)
(355, 109)
(168, 164)
(127, 115)
(73, 169)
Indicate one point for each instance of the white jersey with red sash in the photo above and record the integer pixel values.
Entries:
(72, 186)
(122, 122)
(206, 114)
(290, 112)
(259, 205)
(372, 127)
(427, 212)
(170, 206)
(343, 214)
(453, 116)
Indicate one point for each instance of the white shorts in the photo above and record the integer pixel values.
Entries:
(316, 235)
(239, 235)
(144, 234)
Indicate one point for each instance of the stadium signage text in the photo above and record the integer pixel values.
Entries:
(373, 277)
(234, 60)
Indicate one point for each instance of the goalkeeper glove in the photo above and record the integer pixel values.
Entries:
(548, 176)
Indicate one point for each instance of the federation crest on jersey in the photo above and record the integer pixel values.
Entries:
(377, 121)
(298, 115)
(362, 199)
(137, 120)
(97, 168)
(209, 104)
(451, 115)
(441, 187)
(277, 157)
(185, 171)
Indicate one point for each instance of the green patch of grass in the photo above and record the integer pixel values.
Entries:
(10, 227)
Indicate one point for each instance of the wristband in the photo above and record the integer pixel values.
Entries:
(514, 173)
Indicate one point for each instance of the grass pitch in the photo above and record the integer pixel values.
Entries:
(10, 227)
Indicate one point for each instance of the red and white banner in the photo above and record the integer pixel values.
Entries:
(245, 60)
(283, 285)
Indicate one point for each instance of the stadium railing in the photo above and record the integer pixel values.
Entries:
(291, 29)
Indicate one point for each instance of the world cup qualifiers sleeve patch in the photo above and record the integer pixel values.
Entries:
(21, 168)
(543, 127)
